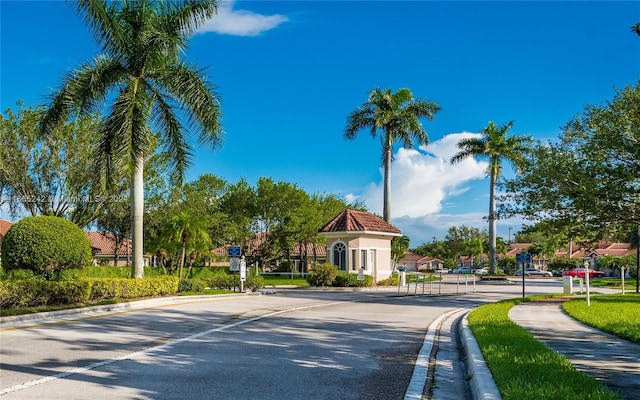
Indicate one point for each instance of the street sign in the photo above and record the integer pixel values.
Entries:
(234, 265)
(233, 251)
(523, 258)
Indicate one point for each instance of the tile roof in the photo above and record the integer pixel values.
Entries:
(4, 226)
(359, 221)
(103, 244)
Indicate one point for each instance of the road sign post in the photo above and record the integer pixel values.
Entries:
(523, 259)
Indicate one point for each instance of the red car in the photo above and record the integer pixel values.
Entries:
(580, 272)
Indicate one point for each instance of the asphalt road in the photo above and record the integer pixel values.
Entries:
(294, 344)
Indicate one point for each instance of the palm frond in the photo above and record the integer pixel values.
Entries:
(197, 99)
(102, 19)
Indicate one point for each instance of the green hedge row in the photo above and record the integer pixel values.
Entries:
(34, 293)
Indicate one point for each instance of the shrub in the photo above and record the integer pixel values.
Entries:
(390, 281)
(351, 280)
(191, 285)
(225, 281)
(45, 245)
(254, 283)
(322, 275)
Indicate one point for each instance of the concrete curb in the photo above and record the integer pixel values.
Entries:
(481, 380)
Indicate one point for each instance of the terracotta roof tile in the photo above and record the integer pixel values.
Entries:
(358, 221)
(103, 244)
(4, 226)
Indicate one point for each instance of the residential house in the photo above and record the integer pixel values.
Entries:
(360, 240)
(103, 247)
(416, 262)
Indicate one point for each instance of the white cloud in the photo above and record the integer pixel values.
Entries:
(422, 179)
(240, 22)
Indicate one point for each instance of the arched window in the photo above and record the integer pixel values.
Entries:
(339, 255)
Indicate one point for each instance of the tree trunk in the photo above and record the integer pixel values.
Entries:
(492, 225)
(182, 255)
(137, 211)
(386, 213)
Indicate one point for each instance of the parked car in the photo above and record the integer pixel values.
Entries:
(481, 271)
(533, 272)
(444, 270)
(461, 270)
(580, 273)
(557, 272)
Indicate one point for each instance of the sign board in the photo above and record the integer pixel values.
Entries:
(243, 270)
(233, 251)
(523, 258)
(234, 265)
(361, 274)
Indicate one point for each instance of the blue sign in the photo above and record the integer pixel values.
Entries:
(234, 251)
(523, 258)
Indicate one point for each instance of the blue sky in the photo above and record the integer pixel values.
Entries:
(289, 73)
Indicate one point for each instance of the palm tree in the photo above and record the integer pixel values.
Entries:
(495, 145)
(397, 115)
(191, 232)
(149, 87)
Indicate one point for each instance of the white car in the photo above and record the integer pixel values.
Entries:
(481, 271)
(533, 272)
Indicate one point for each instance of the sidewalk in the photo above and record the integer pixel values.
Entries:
(612, 361)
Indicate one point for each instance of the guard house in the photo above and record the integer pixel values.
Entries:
(358, 239)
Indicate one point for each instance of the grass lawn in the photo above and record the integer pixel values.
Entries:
(617, 314)
(524, 368)
(284, 279)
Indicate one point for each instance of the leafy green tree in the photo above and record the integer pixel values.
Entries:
(397, 115)
(497, 147)
(588, 180)
(399, 245)
(53, 175)
(141, 72)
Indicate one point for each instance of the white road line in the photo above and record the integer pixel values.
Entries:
(151, 349)
(419, 377)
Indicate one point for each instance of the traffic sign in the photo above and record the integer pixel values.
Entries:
(523, 258)
(234, 265)
(233, 251)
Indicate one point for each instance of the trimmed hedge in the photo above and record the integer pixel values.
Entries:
(34, 293)
(45, 245)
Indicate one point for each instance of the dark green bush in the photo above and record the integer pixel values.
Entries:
(191, 285)
(351, 280)
(225, 281)
(45, 245)
(322, 275)
(254, 283)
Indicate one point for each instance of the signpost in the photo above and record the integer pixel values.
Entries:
(236, 264)
(524, 259)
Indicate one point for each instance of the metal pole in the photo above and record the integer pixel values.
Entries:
(466, 284)
(431, 284)
(622, 276)
(523, 274)
(458, 284)
(440, 285)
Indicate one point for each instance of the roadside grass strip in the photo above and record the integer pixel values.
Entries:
(524, 368)
(616, 314)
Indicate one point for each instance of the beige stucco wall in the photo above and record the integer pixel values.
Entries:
(378, 253)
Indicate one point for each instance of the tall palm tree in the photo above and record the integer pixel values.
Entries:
(397, 115)
(149, 86)
(495, 145)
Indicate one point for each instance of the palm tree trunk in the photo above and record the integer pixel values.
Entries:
(386, 213)
(492, 224)
(182, 255)
(137, 211)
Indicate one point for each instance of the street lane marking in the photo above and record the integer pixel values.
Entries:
(170, 343)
